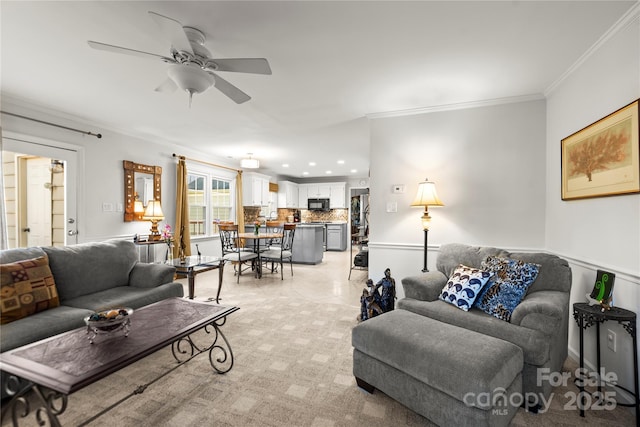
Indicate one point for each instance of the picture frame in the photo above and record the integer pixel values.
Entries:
(603, 287)
(603, 158)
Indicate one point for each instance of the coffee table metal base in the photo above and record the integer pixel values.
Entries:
(30, 399)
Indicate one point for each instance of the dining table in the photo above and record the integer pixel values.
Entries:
(259, 240)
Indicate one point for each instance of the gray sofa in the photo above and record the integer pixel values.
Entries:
(88, 277)
(539, 324)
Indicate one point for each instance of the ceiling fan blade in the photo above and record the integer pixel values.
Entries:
(173, 30)
(167, 86)
(241, 65)
(230, 90)
(127, 51)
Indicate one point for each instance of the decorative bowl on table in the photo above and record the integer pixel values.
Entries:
(108, 321)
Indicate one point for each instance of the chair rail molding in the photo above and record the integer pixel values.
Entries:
(633, 277)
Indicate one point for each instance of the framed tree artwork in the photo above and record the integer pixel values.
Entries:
(603, 158)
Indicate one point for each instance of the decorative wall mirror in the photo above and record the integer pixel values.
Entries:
(141, 184)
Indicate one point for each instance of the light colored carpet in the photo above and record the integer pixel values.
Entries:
(293, 366)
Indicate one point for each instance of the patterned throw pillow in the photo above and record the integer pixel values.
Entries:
(508, 285)
(463, 286)
(26, 287)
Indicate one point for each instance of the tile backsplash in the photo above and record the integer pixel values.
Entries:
(334, 215)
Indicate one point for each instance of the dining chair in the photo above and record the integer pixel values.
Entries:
(274, 227)
(233, 251)
(282, 253)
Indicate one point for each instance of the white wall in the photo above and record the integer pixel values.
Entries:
(600, 232)
(101, 173)
(497, 170)
(488, 164)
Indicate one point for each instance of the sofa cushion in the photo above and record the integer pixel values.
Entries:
(41, 325)
(453, 254)
(91, 267)
(127, 296)
(534, 343)
(27, 287)
(464, 286)
(151, 275)
(555, 274)
(508, 285)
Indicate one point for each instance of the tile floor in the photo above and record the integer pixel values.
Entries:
(325, 282)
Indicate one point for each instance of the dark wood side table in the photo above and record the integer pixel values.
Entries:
(587, 315)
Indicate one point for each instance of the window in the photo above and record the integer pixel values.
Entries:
(210, 199)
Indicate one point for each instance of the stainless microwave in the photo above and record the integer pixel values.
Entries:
(318, 204)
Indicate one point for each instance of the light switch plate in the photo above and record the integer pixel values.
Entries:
(398, 188)
(392, 207)
(107, 207)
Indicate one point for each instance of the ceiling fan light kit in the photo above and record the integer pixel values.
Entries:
(192, 68)
(190, 78)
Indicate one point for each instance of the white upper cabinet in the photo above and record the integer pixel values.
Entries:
(337, 198)
(334, 191)
(318, 191)
(302, 196)
(288, 195)
(255, 189)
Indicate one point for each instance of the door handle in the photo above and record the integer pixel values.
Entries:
(72, 232)
(26, 230)
(71, 220)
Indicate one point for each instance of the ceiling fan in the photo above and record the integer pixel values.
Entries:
(192, 68)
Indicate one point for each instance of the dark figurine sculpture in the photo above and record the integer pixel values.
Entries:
(372, 303)
(388, 285)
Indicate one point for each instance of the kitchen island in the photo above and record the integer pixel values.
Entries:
(308, 244)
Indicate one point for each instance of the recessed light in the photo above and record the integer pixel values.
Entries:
(305, 173)
(354, 170)
(285, 165)
(341, 162)
(328, 172)
(312, 163)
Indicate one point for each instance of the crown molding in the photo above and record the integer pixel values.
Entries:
(456, 106)
(632, 15)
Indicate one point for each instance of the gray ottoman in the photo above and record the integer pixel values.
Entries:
(450, 375)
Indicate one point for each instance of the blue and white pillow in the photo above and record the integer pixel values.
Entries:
(464, 286)
(509, 283)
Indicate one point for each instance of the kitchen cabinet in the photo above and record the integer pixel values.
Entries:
(337, 237)
(334, 191)
(302, 196)
(255, 189)
(337, 199)
(288, 196)
(307, 244)
(318, 191)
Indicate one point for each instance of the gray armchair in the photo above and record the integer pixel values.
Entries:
(539, 324)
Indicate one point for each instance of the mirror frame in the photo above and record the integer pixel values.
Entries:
(130, 168)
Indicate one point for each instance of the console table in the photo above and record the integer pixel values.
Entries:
(587, 315)
(150, 245)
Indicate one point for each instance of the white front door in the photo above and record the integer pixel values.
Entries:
(69, 157)
(38, 201)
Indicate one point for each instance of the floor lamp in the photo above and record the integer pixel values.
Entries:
(426, 197)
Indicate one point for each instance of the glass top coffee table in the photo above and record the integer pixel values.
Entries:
(195, 264)
(60, 365)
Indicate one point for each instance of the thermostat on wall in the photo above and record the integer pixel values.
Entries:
(398, 188)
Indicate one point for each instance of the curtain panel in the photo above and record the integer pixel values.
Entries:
(182, 235)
